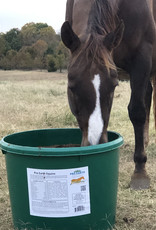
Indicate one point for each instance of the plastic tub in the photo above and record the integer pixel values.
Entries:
(61, 188)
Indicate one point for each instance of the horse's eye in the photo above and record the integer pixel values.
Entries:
(116, 82)
(71, 88)
(114, 77)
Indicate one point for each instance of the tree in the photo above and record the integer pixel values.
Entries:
(13, 39)
(40, 26)
(48, 35)
(11, 56)
(64, 54)
(51, 63)
(5, 63)
(30, 34)
(9, 61)
(24, 59)
(60, 60)
(36, 45)
(2, 45)
(40, 48)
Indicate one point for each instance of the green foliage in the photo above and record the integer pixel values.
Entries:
(40, 26)
(60, 61)
(35, 46)
(39, 48)
(13, 39)
(2, 45)
(52, 63)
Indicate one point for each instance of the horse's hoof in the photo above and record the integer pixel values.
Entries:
(140, 181)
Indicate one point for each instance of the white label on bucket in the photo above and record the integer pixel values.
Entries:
(58, 193)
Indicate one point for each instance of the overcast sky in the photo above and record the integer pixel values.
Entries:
(16, 13)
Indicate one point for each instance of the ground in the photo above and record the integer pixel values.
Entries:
(35, 100)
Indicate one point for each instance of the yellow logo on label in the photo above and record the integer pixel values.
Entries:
(79, 180)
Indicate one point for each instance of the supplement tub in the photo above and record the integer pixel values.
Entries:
(61, 188)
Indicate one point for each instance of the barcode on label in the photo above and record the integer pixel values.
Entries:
(83, 188)
(79, 209)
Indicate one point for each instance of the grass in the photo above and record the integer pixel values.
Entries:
(35, 100)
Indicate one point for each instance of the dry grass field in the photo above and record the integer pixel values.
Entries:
(36, 100)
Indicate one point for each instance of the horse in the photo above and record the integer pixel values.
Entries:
(79, 180)
(104, 36)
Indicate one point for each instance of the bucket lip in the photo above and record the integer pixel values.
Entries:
(59, 152)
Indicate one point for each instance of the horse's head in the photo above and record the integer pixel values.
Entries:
(92, 78)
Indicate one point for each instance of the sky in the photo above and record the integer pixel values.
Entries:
(16, 13)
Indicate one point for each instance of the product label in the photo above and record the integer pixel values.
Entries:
(58, 193)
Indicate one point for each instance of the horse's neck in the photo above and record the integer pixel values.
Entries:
(150, 4)
(69, 10)
(81, 11)
(77, 13)
(152, 7)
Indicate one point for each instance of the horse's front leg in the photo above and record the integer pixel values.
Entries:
(148, 99)
(138, 112)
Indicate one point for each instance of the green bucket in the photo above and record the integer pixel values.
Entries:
(64, 188)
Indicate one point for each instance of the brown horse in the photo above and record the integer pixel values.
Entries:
(103, 34)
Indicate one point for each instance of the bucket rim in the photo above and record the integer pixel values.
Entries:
(62, 151)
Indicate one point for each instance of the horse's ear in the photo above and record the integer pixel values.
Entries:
(114, 38)
(69, 38)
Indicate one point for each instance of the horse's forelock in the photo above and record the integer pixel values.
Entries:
(93, 51)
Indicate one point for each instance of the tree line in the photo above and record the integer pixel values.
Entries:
(35, 46)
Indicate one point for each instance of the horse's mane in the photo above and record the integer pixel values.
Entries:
(102, 20)
(102, 17)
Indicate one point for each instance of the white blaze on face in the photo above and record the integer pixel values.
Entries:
(95, 123)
